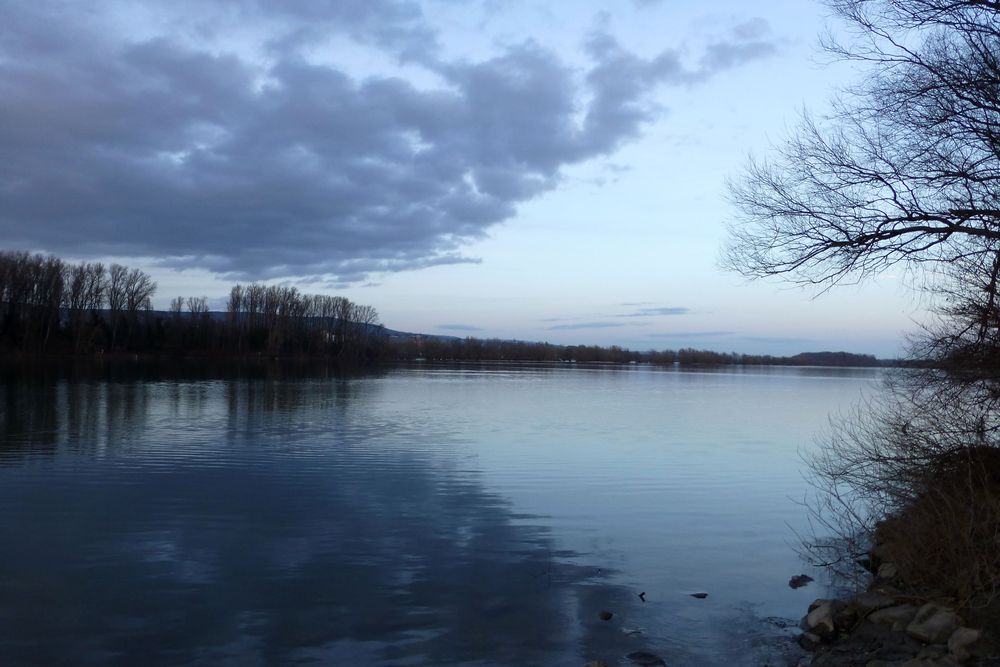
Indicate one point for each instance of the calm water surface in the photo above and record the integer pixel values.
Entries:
(421, 516)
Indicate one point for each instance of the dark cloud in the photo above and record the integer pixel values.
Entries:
(657, 311)
(262, 167)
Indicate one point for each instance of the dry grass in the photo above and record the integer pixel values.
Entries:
(946, 541)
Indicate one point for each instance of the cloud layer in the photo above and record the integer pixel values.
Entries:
(146, 133)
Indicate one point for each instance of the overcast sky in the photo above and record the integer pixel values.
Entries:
(533, 170)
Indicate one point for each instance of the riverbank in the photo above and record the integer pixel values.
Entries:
(882, 627)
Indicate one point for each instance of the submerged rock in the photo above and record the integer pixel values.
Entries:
(700, 596)
(646, 659)
(605, 615)
(799, 580)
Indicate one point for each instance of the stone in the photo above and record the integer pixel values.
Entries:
(898, 616)
(933, 651)
(821, 620)
(700, 596)
(965, 643)
(870, 601)
(823, 601)
(933, 624)
(799, 580)
(605, 615)
(845, 618)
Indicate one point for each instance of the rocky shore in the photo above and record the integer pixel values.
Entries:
(881, 627)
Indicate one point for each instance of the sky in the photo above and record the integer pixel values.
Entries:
(551, 171)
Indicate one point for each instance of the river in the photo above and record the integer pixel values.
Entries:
(420, 515)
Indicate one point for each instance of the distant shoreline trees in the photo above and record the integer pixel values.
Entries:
(485, 349)
(49, 306)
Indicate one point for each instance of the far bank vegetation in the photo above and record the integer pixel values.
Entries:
(49, 306)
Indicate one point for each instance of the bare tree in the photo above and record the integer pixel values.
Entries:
(116, 298)
(84, 296)
(905, 170)
(197, 306)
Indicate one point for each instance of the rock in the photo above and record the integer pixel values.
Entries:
(870, 601)
(898, 616)
(933, 624)
(965, 643)
(700, 596)
(646, 659)
(605, 615)
(809, 641)
(845, 618)
(821, 620)
(819, 602)
(888, 571)
(933, 652)
(799, 580)
(866, 643)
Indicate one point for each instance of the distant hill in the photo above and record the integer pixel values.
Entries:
(833, 359)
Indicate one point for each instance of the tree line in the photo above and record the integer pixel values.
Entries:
(48, 305)
(433, 348)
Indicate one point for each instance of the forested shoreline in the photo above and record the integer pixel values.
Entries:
(55, 308)
(51, 307)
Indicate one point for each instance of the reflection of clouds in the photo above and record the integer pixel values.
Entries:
(268, 520)
(162, 548)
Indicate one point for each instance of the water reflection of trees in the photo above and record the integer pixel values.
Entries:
(274, 519)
